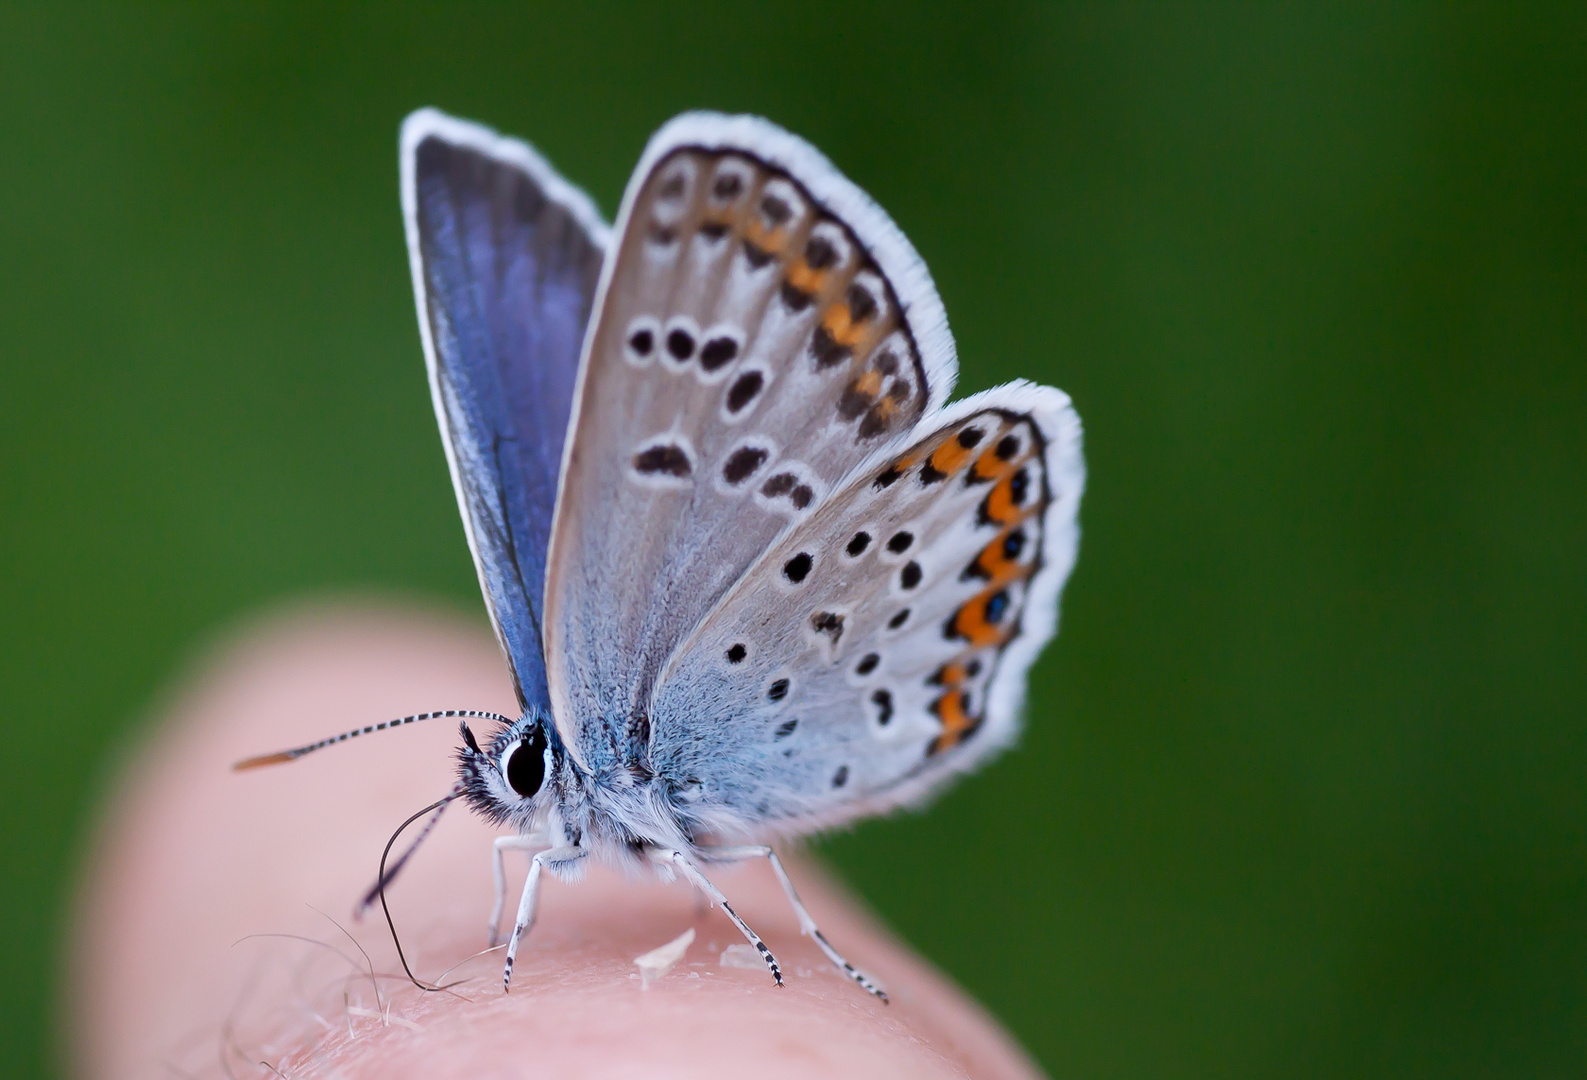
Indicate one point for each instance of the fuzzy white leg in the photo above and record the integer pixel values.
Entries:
(527, 903)
(686, 867)
(516, 842)
(807, 925)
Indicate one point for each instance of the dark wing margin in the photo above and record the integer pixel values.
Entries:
(505, 257)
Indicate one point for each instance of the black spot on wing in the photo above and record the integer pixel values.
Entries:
(819, 253)
(794, 297)
(742, 463)
(826, 350)
(775, 210)
(718, 352)
(680, 343)
(666, 459)
(829, 623)
(744, 390)
(862, 305)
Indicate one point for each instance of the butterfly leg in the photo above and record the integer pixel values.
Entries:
(517, 842)
(531, 896)
(685, 866)
(807, 925)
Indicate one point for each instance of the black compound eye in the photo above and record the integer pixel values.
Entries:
(524, 764)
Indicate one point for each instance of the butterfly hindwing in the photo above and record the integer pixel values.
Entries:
(506, 257)
(881, 645)
(761, 329)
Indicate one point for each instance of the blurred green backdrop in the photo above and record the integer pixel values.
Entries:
(1304, 786)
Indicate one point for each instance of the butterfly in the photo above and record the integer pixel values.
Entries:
(753, 574)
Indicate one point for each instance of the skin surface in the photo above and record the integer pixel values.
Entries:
(190, 859)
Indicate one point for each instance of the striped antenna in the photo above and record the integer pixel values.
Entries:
(293, 755)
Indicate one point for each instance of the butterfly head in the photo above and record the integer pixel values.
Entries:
(509, 780)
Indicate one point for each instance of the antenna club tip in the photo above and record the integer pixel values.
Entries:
(263, 760)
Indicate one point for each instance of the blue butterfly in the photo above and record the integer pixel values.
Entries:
(753, 574)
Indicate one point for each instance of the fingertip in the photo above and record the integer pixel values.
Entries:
(193, 857)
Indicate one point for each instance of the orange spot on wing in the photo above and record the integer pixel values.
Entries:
(772, 240)
(948, 457)
(949, 674)
(957, 723)
(995, 566)
(905, 463)
(802, 277)
(989, 466)
(970, 621)
(839, 322)
(999, 505)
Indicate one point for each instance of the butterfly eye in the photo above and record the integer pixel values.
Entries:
(524, 764)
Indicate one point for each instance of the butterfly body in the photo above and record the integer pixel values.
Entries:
(753, 574)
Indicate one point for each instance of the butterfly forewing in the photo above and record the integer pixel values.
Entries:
(506, 256)
(761, 330)
(882, 643)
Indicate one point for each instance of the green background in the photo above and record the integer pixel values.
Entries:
(1304, 791)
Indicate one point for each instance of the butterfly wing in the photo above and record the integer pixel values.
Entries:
(760, 330)
(881, 646)
(505, 256)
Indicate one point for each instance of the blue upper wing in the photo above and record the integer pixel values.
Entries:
(505, 257)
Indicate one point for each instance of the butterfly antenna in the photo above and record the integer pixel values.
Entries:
(380, 885)
(292, 755)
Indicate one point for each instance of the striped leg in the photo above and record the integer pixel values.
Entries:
(667, 856)
(807, 925)
(526, 904)
(516, 842)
